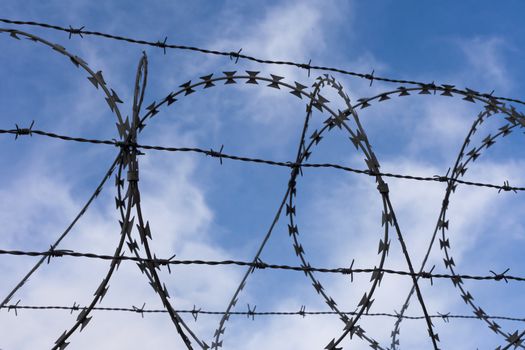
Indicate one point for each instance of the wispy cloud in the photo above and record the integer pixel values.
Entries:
(339, 213)
(485, 62)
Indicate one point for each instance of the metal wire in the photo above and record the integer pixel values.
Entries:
(157, 263)
(221, 155)
(128, 200)
(80, 31)
(198, 311)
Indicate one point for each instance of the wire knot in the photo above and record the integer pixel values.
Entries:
(506, 187)
(77, 31)
(399, 315)
(162, 44)
(444, 316)
(306, 66)
(349, 271)
(500, 276)
(302, 311)
(139, 310)
(52, 253)
(251, 312)
(75, 307)
(24, 131)
(14, 307)
(236, 55)
(195, 313)
(167, 262)
(441, 178)
(425, 274)
(213, 153)
(370, 77)
(433, 86)
(444, 178)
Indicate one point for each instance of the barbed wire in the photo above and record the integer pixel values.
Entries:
(221, 155)
(128, 198)
(198, 311)
(157, 263)
(80, 31)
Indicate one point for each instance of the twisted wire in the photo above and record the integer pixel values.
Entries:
(199, 311)
(80, 31)
(157, 263)
(209, 152)
(128, 197)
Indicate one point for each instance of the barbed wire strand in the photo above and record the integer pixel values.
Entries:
(129, 150)
(56, 253)
(199, 311)
(80, 31)
(209, 152)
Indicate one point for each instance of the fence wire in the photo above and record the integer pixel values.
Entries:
(134, 225)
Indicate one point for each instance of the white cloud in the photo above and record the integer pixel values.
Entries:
(340, 213)
(486, 63)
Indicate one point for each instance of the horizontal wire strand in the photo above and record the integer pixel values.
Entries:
(215, 154)
(157, 263)
(199, 311)
(233, 54)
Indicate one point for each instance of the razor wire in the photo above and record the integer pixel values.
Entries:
(128, 202)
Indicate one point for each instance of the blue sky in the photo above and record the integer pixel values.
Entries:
(200, 209)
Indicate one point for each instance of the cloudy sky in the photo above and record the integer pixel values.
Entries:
(198, 208)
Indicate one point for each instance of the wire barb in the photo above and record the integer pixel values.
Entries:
(56, 253)
(75, 307)
(251, 312)
(75, 31)
(428, 275)
(139, 310)
(195, 312)
(506, 187)
(370, 77)
(306, 66)
(14, 307)
(162, 44)
(24, 131)
(235, 55)
(500, 276)
(215, 154)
